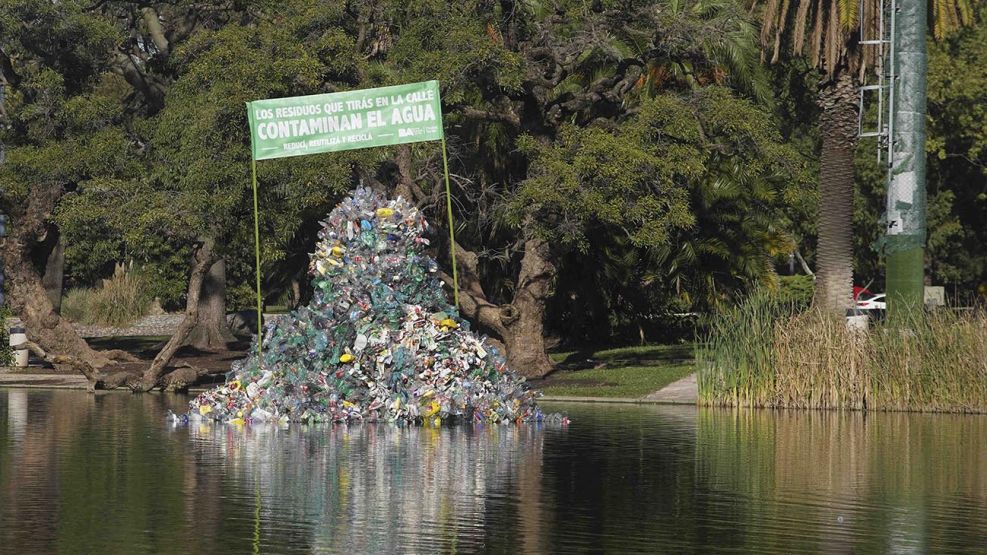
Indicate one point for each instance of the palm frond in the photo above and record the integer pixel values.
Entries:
(798, 40)
(815, 46)
(849, 12)
(782, 18)
(830, 29)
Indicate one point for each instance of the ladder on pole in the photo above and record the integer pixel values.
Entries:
(882, 82)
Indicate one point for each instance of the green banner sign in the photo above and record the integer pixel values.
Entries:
(300, 125)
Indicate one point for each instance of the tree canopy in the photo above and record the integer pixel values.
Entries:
(634, 142)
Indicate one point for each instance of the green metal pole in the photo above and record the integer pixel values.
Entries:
(906, 200)
(452, 233)
(260, 321)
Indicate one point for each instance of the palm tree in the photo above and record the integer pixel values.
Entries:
(828, 33)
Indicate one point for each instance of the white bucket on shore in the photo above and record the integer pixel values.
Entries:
(17, 336)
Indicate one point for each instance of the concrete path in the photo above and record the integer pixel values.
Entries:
(684, 392)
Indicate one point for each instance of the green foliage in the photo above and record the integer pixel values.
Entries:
(637, 178)
(957, 131)
(708, 42)
(118, 301)
(678, 209)
(454, 43)
(796, 290)
(594, 175)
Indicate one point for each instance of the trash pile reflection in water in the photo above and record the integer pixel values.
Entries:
(377, 488)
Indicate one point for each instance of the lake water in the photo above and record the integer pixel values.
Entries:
(107, 474)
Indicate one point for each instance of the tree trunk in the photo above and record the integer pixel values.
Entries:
(26, 294)
(203, 260)
(406, 186)
(296, 292)
(521, 324)
(834, 261)
(55, 273)
(211, 332)
(524, 321)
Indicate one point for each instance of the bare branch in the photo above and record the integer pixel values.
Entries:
(506, 116)
(124, 65)
(204, 258)
(92, 375)
(155, 29)
(802, 262)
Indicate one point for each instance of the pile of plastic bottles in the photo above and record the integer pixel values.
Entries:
(378, 342)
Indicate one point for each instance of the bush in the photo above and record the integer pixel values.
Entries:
(117, 302)
(796, 290)
(75, 304)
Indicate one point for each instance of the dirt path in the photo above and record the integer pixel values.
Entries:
(47, 381)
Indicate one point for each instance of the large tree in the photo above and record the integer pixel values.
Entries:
(680, 206)
(59, 127)
(827, 32)
(170, 79)
(583, 64)
(82, 80)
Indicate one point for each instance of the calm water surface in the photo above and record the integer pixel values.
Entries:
(107, 474)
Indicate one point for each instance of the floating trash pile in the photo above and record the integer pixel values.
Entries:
(378, 342)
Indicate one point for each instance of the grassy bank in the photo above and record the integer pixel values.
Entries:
(765, 354)
(622, 372)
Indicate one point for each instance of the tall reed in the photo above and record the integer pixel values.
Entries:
(765, 354)
(118, 301)
(736, 356)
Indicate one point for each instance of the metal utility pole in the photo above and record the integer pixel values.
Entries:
(906, 232)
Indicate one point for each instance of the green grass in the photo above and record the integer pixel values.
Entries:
(625, 372)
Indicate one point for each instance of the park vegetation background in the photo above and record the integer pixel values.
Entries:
(617, 165)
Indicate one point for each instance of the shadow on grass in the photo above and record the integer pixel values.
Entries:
(620, 372)
(643, 355)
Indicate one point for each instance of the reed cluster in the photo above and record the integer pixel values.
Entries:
(765, 353)
(117, 301)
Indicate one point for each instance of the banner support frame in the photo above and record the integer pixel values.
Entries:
(452, 233)
(260, 318)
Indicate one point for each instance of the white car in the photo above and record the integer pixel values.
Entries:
(873, 302)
